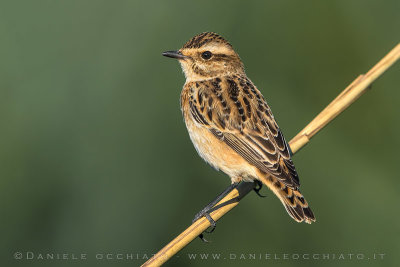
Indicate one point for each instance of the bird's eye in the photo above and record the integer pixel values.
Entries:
(206, 55)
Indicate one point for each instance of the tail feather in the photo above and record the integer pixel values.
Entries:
(293, 201)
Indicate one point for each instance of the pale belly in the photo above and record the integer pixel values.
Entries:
(220, 155)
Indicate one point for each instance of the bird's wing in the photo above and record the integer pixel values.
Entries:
(240, 117)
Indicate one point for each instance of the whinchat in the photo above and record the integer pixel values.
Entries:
(230, 123)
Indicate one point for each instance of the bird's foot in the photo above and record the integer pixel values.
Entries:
(210, 229)
(243, 189)
(257, 187)
(212, 206)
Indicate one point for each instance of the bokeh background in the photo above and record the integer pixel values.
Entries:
(95, 157)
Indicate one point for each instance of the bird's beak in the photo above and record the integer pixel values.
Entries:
(174, 54)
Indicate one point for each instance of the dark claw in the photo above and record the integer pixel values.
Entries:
(201, 236)
(212, 227)
(243, 188)
(212, 222)
(205, 212)
(257, 187)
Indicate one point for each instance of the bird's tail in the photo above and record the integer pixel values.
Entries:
(292, 199)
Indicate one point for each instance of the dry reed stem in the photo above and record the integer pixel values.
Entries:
(338, 105)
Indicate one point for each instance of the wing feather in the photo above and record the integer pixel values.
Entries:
(254, 135)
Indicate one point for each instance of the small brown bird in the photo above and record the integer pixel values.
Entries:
(230, 123)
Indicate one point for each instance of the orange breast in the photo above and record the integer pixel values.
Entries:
(218, 154)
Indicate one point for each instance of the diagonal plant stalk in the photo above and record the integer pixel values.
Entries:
(337, 106)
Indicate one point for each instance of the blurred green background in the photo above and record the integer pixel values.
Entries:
(95, 157)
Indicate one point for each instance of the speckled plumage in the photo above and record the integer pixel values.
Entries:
(231, 125)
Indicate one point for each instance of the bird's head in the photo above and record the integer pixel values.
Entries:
(207, 55)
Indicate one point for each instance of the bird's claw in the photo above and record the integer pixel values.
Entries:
(257, 188)
(213, 224)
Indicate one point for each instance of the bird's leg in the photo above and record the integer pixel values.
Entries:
(243, 188)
